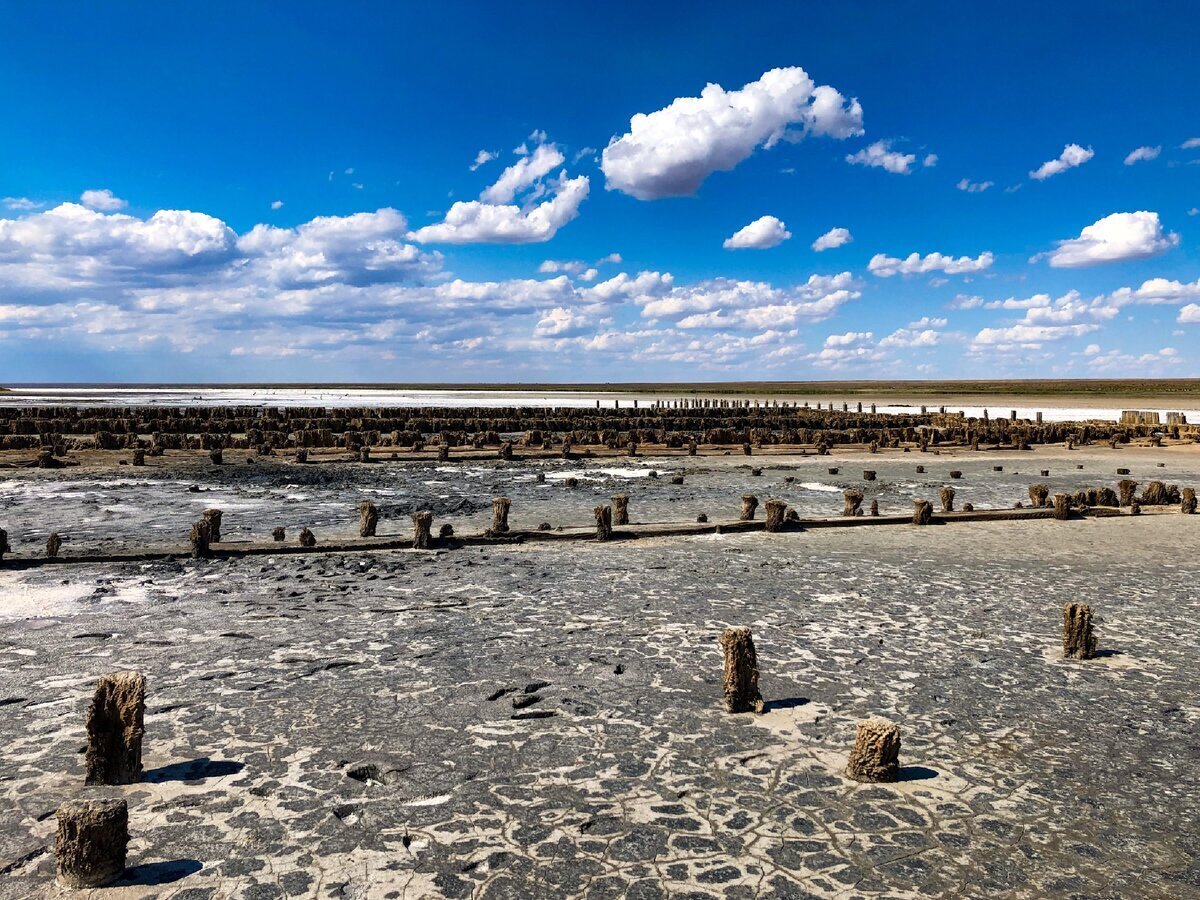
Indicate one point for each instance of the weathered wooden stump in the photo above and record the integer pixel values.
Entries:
(853, 500)
(5, 547)
(1187, 503)
(115, 729)
(1062, 507)
(213, 518)
(603, 522)
(301, 455)
(875, 508)
(279, 533)
(199, 539)
(571, 482)
(443, 452)
(620, 509)
(702, 518)
(1135, 508)
(139, 457)
(541, 478)
(749, 505)
(53, 545)
(216, 455)
(364, 454)
(747, 450)
(968, 507)
(920, 470)
(1079, 641)
(692, 449)
(368, 519)
(307, 538)
(500, 508)
(1038, 494)
(632, 448)
(676, 479)
(922, 512)
(868, 474)
(447, 530)
(833, 470)
(422, 523)
(776, 513)
(876, 753)
(954, 473)
(506, 450)
(946, 495)
(1122, 471)
(741, 671)
(1127, 488)
(91, 842)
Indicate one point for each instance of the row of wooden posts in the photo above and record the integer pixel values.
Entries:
(92, 838)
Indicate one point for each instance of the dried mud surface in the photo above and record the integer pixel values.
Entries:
(547, 721)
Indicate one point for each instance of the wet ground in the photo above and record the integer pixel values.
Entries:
(546, 721)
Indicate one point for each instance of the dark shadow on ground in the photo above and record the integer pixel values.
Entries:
(786, 703)
(1106, 654)
(916, 773)
(160, 872)
(193, 770)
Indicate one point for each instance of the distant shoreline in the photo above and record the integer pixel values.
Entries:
(948, 392)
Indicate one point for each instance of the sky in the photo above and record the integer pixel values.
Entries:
(480, 192)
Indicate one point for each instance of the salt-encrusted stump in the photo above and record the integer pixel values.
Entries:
(216, 456)
(1038, 494)
(749, 505)
(756, 472)
(946, 495)
(91, 841)
(632, 448)
(364, 455)
(747, 450)
(213, 518)
(676, 479)
(702, 518)
(506, 450)
(199, 539)
(500, 508)
(868, 474)
(954, 473)
(968, 507)
(1079, 641)
(541, 478)
(114, 730)
(301, 455)
(603, 522)
(620, 509)
(443, 452)
(307, 538)
(422, 523)
(1135, 508)
(1062, 506)
(368, 519)
(741, 671)
(53, 545)
(776, 511)
(1127, 488)
(574, 482)
(279, 533)
(854, 500)
(1187, 504)
(875, 507)
(920, 470)
(833, 470)
(876, 753)
(922, 512)
(1045, 473)
(139, 457)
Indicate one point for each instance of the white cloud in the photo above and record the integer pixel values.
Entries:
(1156, 291)
(1190, 143)
(526, 172)
(1190, 314)
(483, 157)
(928, 322)
(21, 204)
(963, 301)
(850, 337)
(1194, 211)
(879, 155)
(761, 234)
(914, 264)
(1091, 349)
(561, 320)
(669, 153)
(912, 337)
(930, 161)
(277, 204)
(974, 187)
(833, 238)
(473, 222)
(1030, 335)
(1073, 155)
(1115, 238)
(102, 200)
(1142, 154)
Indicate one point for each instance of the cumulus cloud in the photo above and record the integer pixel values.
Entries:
(761, 234)
(277, 204)
(1029, 335)
(1142, 154)
(885, 266)
(879, 155)
(475, 222)
(482, 158)
(577, 267)
(1073, 155)
(1190, 314)
(973, 187)
(833, 238)
(1157, 291)
(930, 160)
(1115, 238)
(103, 200)
(526, 172)
(669, 152)
(912, 337)
(21, 204)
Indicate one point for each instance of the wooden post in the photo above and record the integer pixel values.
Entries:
(1062, 507)
(1079, 641)
(91, 842)
(620, 507)
(876, 753)
(776, 510)
(279, 533)
(115, 729)
(307, 538)
(368, 519)
(1187, 504)
(422, 523)
(53, 545)
(749, 505)
(922, 512)
(603, 522)
(213, 518)
(946, 495)
(199, 539)
(1038, 494)
(854, 501)
(741, 671)
(500, 508)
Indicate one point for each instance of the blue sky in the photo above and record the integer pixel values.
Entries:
(253, 192)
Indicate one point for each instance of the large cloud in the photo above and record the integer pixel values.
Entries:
(669, 153)
(1115, 238)
(915, 264)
